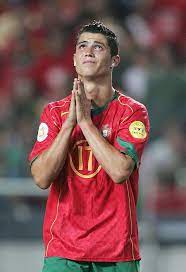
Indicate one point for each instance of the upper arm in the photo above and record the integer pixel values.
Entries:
(132, 135)
(47, 131)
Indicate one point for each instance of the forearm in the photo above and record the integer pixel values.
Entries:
(48, 165)
(117, 165)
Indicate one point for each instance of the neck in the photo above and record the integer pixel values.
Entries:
(99, 92)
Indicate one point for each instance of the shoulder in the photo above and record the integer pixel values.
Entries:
(132, 111)
(58, 107)
(129, 104)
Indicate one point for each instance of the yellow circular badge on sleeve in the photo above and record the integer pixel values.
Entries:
(137, 130)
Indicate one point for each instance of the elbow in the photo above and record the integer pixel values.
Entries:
(42, 184)
(39, 176)
(41, 181)
(122, 174)
(120, 177)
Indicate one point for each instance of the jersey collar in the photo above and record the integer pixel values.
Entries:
(97, 110)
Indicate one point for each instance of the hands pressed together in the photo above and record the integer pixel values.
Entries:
(80, 106)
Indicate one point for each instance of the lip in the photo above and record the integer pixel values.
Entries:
(88, 61)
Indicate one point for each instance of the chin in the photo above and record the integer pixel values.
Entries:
(88, 74)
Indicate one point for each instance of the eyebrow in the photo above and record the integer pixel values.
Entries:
(95, 42)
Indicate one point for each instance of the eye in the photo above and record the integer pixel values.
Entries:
(81, 46)
(98, 47)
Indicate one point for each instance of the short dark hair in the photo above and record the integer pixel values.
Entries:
(99, 27)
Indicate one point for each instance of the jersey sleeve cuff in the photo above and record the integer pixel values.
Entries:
(31, 161)
(128, 149)
(34, 154)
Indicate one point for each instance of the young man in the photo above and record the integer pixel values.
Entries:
(88, 152)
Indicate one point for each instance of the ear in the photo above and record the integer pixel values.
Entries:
(115, 61)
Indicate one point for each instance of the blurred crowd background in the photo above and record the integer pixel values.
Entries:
(37, 41)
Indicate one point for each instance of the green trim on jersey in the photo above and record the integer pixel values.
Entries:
(56, 264)
(97, 110)
(129, 149)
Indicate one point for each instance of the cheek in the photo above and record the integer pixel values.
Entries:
(105, 59)
(106, 63)
(78, 59)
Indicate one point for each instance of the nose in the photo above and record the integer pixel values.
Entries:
(89, 51)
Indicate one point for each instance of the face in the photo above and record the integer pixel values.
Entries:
(92, 57)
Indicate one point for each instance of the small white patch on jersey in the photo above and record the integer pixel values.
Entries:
(42, 132)
(106, 131)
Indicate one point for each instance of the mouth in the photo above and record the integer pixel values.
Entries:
(88, 61)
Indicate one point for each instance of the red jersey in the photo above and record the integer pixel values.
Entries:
(88, 216)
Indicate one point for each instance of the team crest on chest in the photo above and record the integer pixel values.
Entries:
(106, 131)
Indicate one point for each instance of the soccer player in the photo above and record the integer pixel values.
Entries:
(88, 152)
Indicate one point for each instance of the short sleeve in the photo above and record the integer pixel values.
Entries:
(133, 134)
(47, 131)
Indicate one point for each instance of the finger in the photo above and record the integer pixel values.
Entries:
(72, 102)
(78, 100)
(84, 96)
(75, 84)
(73, 97)
(79, 87)
(77, 96)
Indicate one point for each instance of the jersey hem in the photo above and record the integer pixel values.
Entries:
(138, 258)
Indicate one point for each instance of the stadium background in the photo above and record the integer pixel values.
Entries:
(36, 48)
